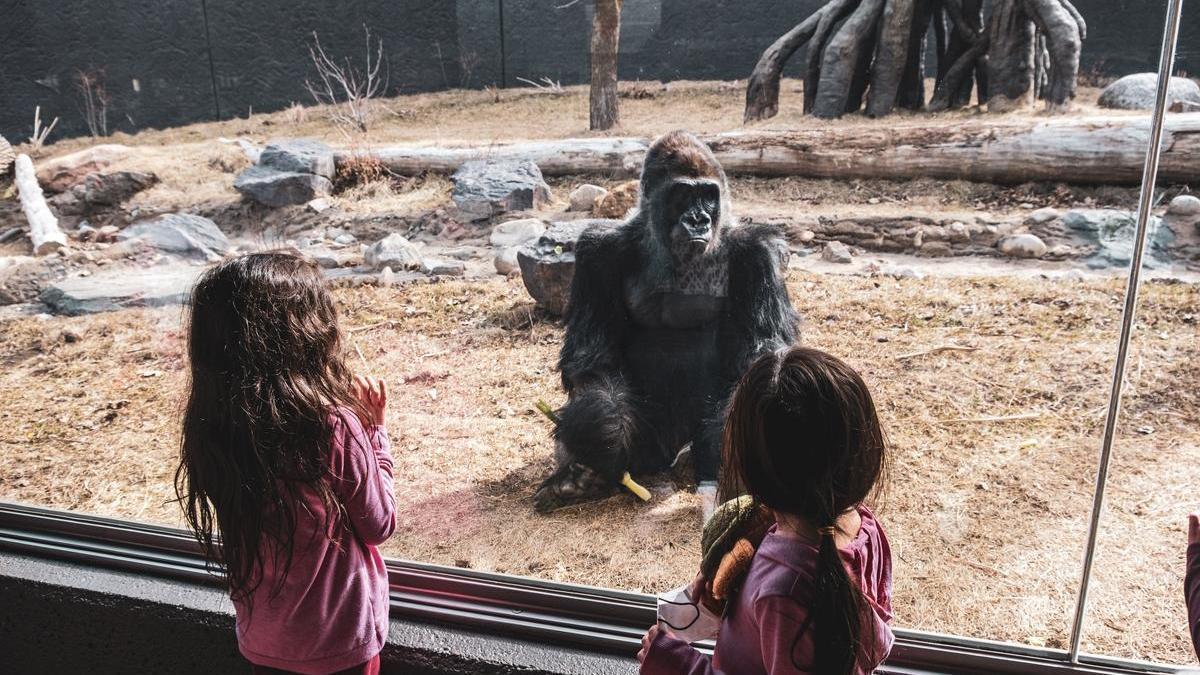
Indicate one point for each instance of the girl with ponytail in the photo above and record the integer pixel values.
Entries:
(804, 441)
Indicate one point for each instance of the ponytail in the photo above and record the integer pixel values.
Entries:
(836, 612)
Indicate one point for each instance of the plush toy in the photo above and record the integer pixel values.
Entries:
(727, 546)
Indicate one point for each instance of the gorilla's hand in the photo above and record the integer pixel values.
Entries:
(572, 483)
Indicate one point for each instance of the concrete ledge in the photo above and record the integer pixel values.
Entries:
(60, 617)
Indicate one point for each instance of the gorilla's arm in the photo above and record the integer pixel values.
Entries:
(761, 317)
(597, 320)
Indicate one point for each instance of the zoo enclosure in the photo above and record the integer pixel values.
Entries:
(183, 61)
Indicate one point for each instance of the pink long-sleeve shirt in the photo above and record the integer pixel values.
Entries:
(758, 633)
(331, 612)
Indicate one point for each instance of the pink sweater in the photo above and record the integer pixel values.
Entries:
(332, 611)
(759, 632)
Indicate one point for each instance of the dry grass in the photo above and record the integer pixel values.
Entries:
(470, 116)
(987, 519)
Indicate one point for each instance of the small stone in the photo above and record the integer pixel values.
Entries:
(443, 268)
(1022, 245)
(1026, 205)
(957, 231)
(86, 232)
(516, 233)
(108, 233)
(618, 202)
(836, 252)
(906, 273)
(1184, 205)
(1044, 215)
(506, 262)
(345, 239)
(393, 251)
(873, 200)
(70, 337)
(319, 204)
(935, 249)
(584, 197)
(807, 236)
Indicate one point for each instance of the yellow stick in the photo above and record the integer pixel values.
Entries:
(636, 489)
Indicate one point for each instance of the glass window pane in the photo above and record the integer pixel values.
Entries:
(990, 369)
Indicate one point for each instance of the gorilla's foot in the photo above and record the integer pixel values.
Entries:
(571, 484)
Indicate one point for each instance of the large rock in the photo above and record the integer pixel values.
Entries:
(836, 252)
(1138, 91)
(1112, 232)
(1184, 205)
(298, 155)
(180, 233)
(59, 174)
(102, 190)
(548, 265)
(118, 289)
(273, 187)
(486, 188)
(393, 251)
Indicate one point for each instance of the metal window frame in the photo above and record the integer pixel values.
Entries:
(591, 618)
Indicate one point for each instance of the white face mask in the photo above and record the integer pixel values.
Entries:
(686, 618)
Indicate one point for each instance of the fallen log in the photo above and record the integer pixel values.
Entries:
(1088, 150)
(43, 226)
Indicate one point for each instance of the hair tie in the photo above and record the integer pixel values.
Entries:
(827, 531)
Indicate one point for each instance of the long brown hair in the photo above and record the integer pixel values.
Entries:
(804, 439)
(266, 372)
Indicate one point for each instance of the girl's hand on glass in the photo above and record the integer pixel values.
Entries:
(647, 639)
(1193, 528)
(372, 392)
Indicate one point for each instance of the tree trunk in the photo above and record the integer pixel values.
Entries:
(43, 226)
(606, 35)
(876, 48)
(762, 91)
(1092, 150)
(891, 57)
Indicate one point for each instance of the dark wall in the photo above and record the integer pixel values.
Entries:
(173, 62)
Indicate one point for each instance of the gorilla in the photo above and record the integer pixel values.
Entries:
(665, 313)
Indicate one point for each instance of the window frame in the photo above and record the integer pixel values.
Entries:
(571, 615)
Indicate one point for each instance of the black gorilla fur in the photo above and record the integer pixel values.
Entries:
(665, 314)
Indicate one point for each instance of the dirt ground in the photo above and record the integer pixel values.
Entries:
(994, 447)
(993, 450)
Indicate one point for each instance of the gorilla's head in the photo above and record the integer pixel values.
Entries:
(683, 194)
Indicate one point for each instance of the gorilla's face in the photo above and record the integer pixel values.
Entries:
(692, 213)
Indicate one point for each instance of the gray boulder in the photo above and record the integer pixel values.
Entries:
(298, 155)
(118, 289)
(1022, 245)
(272, 187)
(102, 190)
(486, 188)
(1184, 205)
(180, 233)
(548, 265)
(1112, 231)
(1137, 92)
(393, 251)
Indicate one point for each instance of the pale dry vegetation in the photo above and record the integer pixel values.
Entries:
(994, 449)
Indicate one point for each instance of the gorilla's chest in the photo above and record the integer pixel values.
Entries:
(693, 297)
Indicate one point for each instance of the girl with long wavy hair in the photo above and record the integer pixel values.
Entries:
(803, 440)
(285, 472)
